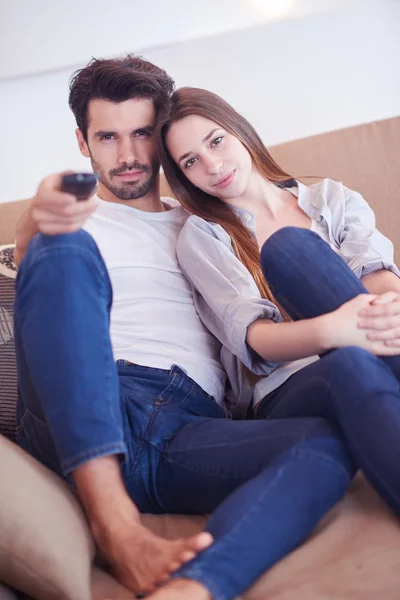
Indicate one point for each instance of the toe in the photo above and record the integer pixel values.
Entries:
(187, 555)
(201, 541)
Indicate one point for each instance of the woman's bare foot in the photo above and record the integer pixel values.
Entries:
(141, 560)
(181, 589)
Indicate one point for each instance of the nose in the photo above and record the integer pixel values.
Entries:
(213, 164)
(126, 152)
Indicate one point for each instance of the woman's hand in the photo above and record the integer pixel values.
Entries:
(368, 321)
(381, 318)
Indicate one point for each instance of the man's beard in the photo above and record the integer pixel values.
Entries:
(128, 190)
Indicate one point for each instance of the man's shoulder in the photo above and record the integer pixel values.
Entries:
(170, 202)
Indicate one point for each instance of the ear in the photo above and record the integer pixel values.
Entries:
(83, 147)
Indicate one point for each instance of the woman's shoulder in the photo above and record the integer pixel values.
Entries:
(328, 189)
(325, 195)
(196, 226)
(324, 187)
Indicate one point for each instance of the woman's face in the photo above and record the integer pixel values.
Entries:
(210, 157)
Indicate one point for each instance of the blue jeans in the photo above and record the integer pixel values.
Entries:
(266, 483)
(357, 391)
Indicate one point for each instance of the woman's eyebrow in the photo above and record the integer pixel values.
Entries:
(203, 141)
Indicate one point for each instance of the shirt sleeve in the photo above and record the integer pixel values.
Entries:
(226, 296)
(362, 246)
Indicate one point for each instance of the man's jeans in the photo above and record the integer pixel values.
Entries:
(356, 390)
(268, 483)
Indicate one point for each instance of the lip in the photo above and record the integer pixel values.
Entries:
(130, 175)
(226, 180)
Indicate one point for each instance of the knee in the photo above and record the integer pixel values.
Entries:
(287, 236)
(287, 247)
(351, 359)
(43, 242)
(51, 261)
(61, 245)
(324, 442)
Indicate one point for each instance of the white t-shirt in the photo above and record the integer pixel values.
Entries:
(153, 319)
(268, 384)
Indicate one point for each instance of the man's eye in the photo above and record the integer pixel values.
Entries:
(190, 163)
(217, 140)
(107, 136)
(142, 133)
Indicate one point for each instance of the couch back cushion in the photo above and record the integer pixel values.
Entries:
(365, 158)
(10, 214)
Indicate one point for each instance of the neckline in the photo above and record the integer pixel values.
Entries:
(174, 209)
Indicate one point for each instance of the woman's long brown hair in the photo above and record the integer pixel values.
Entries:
(193, 101)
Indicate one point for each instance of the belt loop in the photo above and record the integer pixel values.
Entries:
(178, 370)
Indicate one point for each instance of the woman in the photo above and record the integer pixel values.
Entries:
(314, 303)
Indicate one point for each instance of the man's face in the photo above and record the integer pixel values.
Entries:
(121, 147)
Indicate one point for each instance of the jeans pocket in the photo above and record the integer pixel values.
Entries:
(33, 435)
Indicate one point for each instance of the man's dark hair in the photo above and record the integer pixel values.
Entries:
(117, 80)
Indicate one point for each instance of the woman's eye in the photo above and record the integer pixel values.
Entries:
(217, 140)
(189, 163)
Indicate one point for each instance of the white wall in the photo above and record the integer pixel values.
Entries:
(40, 35)
(291, 78)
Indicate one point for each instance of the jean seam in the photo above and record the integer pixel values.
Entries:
(193, 572)
(245, 516)
(144, 437)
(159, 401)
(292, 460)
(216, 474)
(343, 417)
(86, 253)
(111, 448)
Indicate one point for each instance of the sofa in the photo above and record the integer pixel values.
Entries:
(46, 550)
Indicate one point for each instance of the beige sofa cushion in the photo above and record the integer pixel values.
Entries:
(45, 547)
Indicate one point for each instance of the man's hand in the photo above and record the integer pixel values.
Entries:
(382, 318)
(54, 212)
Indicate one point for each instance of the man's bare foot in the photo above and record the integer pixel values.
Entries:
(181, 589)
(141, 560)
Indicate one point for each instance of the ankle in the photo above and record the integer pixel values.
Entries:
(192, 588)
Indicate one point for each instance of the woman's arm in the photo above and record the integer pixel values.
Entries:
(381, 281)
(361, 245)
(299, 339)
(289, 341)
(229, 304)
(225, 295)
(370, 255)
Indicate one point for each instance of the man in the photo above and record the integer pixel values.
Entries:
(128, 403)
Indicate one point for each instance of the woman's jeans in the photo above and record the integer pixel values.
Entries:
(359, 392)
(267, 483)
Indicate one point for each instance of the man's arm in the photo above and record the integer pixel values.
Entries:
(26, 230)
(51, 212)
